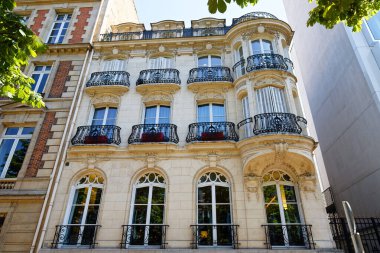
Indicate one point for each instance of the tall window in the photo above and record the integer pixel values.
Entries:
(157, 114)
(210, 61)
(114, 65)
(13, 147)
(214, 210)
(239, 57)
(81, 218)
(271, 99)
(282, 210)
(246, 114)
(161, 63)
(40, 76)
(59, 29)
(262, 47)
(211, 113)
(104, 116)
(147, 212)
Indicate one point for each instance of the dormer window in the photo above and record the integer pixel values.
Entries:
(262, 47)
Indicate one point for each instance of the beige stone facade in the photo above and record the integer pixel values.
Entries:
(205, 79)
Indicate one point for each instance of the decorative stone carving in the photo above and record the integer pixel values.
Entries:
(252, 182)
(209, 96)
(151, 159)
(307, 182)
(280, 150)
(103, 100)
(157, 98)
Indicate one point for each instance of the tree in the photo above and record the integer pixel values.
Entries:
(327, 12)
(18, 45)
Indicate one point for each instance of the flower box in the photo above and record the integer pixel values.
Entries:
(100, 139)
(212, 136)
(153, 137)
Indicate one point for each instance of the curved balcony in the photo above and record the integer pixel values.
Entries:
(158, 79)
(275, 122)
(109, 81)
(252, 16)
(268, 61)
(97, 135)
(147, 133)
(209, 76)
(212, 131)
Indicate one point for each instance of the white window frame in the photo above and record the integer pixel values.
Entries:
(62, 22)
(261, 46)
(149, 204)
(158, 107)
(211, 115)
(209, 60)
(213, 206)
(41, 74)
(105, 115)
(17, 137)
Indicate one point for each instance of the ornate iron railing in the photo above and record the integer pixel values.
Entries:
(239, 69)
(215, 235)
(153, 133)
(289, 235)
(268, 61)
(329, 200)
(274, 122)
(252, 16)
(144, 235)
(108, 78)
(212, 131)
(159, 34)
(210, 74)
(158, 76)
(97, 134)
(75, 235)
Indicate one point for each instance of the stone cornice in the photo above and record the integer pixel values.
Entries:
(68, 48)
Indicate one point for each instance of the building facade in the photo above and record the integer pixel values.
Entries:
(188, 138)
(32, 140)
(341, 80)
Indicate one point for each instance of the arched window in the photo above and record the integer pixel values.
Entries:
(214, 223)
(282, 210)
(80, 224)
(147, 212)
(271, 99)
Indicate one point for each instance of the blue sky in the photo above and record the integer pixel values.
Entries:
(150, 11)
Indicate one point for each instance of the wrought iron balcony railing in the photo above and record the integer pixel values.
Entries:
(268, 61)
(158, 76)
(144, 235)
(97, 134)
(215, 235)
(252, 16)
(274, 122)
(239, 69)
(108, 78)
(153, 133)
(210, 74)
(212, 131)
(75, 235)
(329, 199)
(294, 235)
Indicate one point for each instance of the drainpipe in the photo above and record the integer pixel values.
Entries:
(62, 151)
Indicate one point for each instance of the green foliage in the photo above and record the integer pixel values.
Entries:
(18, 44)
(327, 12)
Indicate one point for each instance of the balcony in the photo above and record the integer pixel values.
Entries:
(97, 135)
(252, 16)
(144, 236)
(215, 235)
(153, 133)
(158, 80)
(75, 235)
(209, 77)
(268, 123)
(239, 69)
(108, 81)
(268, 61)
(212, 131)
(298, 235)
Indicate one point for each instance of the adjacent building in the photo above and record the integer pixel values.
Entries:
(187, 138)
(341, 77)
(33, 140)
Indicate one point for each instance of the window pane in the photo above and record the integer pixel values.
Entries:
(96, 194)
(157, 214)
(17, 158)
(204, 214)
(11, 131)
(222, 194)
(158, 195)
(216, 61)
(27, 130)
(204, 194)
(5, 148)
(150, 115)
(92, 214)
(273, 213)
(267, 46)
(42, 83)
(139, 214)
(142, 195)
(38, 68)
(203, 61)
(111, 116)
(270, 194)
(76, 215)
(223, 214)
(287, 193)
(203, 113)
(218, 113)
(164, 114)
(98, 116)
(256, 48)
(291, 213)
(374, 26)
